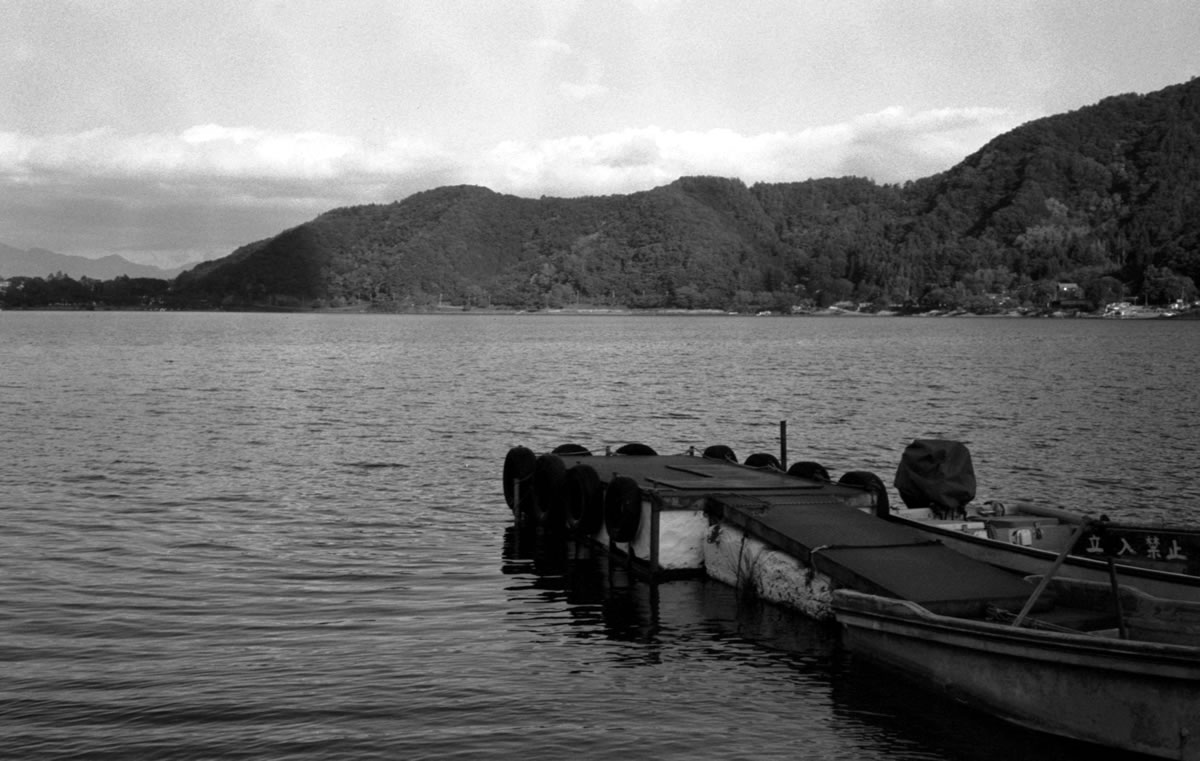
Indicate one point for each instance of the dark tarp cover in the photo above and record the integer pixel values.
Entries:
(937, 473)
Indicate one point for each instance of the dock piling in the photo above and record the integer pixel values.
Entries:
(783, 444)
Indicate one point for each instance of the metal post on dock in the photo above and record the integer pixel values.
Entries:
(783, 444)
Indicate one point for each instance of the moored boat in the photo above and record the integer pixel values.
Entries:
(1126, 666)
(936, 481)
(1026, 541)
(1072, 675)
(660, 511)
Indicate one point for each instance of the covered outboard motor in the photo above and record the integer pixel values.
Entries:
(938, 474)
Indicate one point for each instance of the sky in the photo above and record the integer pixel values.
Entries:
(172, 131)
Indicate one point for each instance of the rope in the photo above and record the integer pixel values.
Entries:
(823, 547)
(999, 615)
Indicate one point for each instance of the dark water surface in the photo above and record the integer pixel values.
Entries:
(283, 536)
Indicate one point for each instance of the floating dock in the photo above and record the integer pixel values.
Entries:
(789, 539)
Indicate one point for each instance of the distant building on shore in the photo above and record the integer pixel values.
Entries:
(1069, 296)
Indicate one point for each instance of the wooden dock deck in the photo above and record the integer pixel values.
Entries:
(862, 552)
(827, 527)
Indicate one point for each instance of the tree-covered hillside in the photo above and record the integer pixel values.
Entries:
(1107, 197)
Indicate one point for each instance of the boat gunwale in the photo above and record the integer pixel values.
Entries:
(1038, 553)
(1088, 650)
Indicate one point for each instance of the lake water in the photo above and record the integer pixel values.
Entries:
(283, 536)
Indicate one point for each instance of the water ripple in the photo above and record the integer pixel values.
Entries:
(270, 536)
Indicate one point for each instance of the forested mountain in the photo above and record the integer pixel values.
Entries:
(1107, 197)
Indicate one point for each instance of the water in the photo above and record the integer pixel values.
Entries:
(283, 536)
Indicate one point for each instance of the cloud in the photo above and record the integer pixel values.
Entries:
(893, 145)
(211, 151)
(550, 45)
(212, 188)
(576, 91)
(649, 7)
(205, 190)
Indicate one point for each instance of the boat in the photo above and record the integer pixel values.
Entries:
(1107, 662)
(936, 482)
(686, 495)
(1066, 670)
(1124, 310)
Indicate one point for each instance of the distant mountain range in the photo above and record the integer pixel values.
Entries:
(1094, 206)
(38, 262)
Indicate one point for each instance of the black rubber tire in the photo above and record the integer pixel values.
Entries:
(549, 476)
(813, 471)
(577, 450)
(720, 452)
(584, 500)
(518, 466)
(763, 460)
(638, 450)
(622, 509)
(864, 479)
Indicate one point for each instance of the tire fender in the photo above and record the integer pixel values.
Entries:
(720, 452)
(622, 508)
(870, 482)
(518, 466)
(549, 476)
(584, 500)
(763, 460)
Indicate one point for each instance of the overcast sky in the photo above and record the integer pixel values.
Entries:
(174, 130)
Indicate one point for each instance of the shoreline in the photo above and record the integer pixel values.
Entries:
(828, 312)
